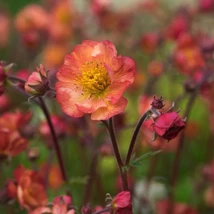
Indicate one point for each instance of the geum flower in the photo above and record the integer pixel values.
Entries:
(122, 204)
(11, 141)
(28, 187)
(60, 205)
(93, 79)
(168, 125)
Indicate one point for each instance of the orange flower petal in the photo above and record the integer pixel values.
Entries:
(115, 91)
(127, 71)
(66, 97)
(105, 113)
(90, 104)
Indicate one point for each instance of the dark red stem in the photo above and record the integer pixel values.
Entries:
(54, 138)
(52, 130)
(111, 130)
(134, 136)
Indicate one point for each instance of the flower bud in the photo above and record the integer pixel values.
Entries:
(37, 83)
(121, 203)
(33, 154)
(157, 103)
(168, 125)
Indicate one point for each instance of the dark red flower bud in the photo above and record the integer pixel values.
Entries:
(157, 103)
(168, 125)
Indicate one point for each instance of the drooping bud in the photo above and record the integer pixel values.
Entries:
(168, 125)
(122, 203)
(37, 83)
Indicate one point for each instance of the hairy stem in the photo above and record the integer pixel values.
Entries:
(111, 130)
(134, 136)
(43, 106)
(54, 138)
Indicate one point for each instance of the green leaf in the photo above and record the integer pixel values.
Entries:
(138, 161)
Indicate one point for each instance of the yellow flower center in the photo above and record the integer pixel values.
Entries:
(94, 78)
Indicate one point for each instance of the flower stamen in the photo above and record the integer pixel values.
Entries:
(94, 78)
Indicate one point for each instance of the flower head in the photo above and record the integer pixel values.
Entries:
(122, 203)
(60, 205)
(188, 56)
(28, 188)
(32, 17)
(168, 125)
(93, 79)
(37, 83)
(11, 142)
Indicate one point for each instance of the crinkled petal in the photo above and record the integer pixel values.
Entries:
(126, 71)
(105, 113)
(67, 97)
(115, 91)
(106, 49)
(90, 104)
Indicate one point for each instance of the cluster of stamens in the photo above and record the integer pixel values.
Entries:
(94, 78)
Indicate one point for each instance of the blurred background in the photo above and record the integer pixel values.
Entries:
(172, 44)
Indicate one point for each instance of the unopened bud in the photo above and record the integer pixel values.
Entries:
(157, 103)
(37, 83)
(33, 153)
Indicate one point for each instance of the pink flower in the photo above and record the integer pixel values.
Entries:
(32, 17)
(206, 5)
(122, 203)
(168, 125)
(93, 79)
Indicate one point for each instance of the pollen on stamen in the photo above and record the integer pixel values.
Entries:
(94, 78)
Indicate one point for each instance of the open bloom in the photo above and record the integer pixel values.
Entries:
(93, 79)
(168, 125)
(28, 188)
(60, 205)
(11, 141)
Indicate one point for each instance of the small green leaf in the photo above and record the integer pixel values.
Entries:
(138, 161)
